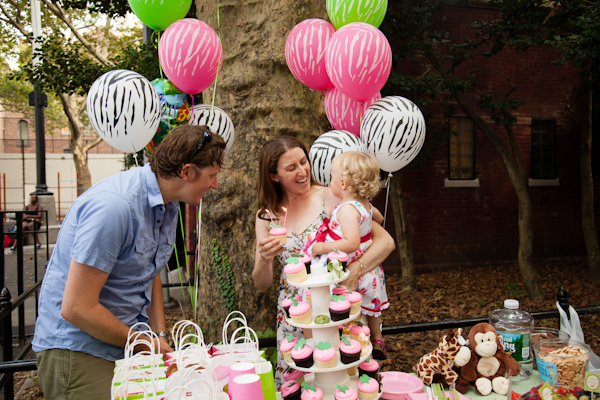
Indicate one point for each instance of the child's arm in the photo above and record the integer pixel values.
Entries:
(377, 216)
(349, 220)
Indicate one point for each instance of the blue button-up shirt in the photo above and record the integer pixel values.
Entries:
(122, 227)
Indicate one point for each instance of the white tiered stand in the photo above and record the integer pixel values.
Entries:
(326, 378)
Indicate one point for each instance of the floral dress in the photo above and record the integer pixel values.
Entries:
(294, 245)
(372, 284)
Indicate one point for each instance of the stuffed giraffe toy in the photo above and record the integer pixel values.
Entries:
(452, 350)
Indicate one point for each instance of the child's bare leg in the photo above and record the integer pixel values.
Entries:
(376, 337)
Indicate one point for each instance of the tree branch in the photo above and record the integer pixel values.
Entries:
(14, 22)
(512, 86)
(58, 11)
(92, 144)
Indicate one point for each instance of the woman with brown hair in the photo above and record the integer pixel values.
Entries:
(285, 181)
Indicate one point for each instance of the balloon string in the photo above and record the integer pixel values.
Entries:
(199, 230)
(387, 196)
(218, 68)
(192, 110)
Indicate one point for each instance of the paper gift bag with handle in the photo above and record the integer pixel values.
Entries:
(572, 326)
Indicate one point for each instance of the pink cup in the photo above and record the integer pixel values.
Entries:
(240, 369)
(246, 387)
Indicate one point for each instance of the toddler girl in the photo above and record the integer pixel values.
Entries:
(355, 180)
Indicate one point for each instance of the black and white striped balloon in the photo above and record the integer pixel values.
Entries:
(124, 109)
(394, 129)
(217, 120)
(326, 147)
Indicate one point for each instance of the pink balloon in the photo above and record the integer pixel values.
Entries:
(305, 52)
(190, 54)
(345, 113)
(358, 60)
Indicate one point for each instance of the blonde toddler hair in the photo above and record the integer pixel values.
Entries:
(361, 173)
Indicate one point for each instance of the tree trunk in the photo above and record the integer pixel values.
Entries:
(257, 90)
(587, 189)
(403, 239)
(74, 106)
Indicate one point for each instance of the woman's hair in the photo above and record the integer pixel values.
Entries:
(361, 173)
(270, 193)
(177, 147)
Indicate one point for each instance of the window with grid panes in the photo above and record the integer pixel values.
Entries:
(543, 149)
(461, 157)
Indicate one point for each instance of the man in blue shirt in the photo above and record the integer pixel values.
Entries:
(103, 276)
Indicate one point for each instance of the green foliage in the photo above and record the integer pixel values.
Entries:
(225, 277)
(142, 59)
(130, 162)
(513, 290)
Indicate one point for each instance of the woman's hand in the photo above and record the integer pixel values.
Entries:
(269, 247)
(355, 272)
(318, 249)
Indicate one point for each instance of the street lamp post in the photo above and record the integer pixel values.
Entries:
(22, 141)
(38, 100)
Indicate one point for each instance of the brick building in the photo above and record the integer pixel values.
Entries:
(461, 206)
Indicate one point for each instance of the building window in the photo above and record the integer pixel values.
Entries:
(461, 159)
(543, 149)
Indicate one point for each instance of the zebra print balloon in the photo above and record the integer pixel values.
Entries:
(326, 147)
(124, 109)
(394, 129)
(217, 120)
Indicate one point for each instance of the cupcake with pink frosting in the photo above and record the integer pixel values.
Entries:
(325, 355)
(339, 308)
(311, 392)
(349, 350)
(290, 390)
(287, 302)
(302, 354)
(306, 260)
(340, 290)
(295, 271)
(294, 375)
(367, 387)
(279, 233)
(308, 296)
(300, 312)
(344, 393)
(286, 346)
(355, 330)
(368, 367)
(355, 300)
(338, 256)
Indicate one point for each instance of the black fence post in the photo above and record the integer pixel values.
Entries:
(7, 353)
(563, 301)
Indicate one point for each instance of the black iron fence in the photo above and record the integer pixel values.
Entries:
(10, 363)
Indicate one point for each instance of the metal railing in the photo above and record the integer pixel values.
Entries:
(7, 306)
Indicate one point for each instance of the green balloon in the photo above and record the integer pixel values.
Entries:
(344, 12)
(159, 14)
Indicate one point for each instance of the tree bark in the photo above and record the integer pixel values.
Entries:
(257, 90)
(73, 106)
(587, 189)
(517, 178)
(403, 238)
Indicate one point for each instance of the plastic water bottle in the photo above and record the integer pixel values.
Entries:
(514, 328)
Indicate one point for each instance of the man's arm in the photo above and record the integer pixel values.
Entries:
(156, 313)
(82, 309)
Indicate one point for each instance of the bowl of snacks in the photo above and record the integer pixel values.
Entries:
(543, 332)
(561, 362)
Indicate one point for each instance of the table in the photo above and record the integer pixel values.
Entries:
(520, 387)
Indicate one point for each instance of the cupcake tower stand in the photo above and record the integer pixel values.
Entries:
(327, 378)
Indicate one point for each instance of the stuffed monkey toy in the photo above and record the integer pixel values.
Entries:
(488, 364)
